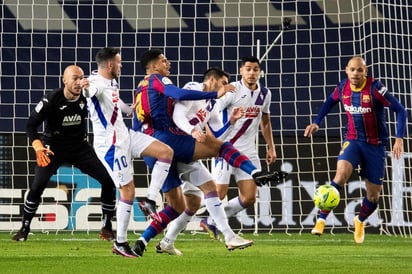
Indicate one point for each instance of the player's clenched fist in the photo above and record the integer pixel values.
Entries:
(42, 153)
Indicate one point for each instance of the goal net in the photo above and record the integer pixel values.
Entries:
(301, 69)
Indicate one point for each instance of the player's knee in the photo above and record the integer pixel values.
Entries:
(192, 202)
(221, 196)
(127, 191)
(221, 191)
(248, 201)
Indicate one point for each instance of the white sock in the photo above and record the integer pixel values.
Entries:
(217, 213)
(232, 208)
(176, 226)
(123, 218)
(159, 174)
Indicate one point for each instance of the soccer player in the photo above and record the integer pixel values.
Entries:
(192, 117)
(64, 141)
(154, 101)
(116, 145)
(366, 136)
(255, 100)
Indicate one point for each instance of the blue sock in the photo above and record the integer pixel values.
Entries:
(338, 187)
(168, 214)
(235, 158)
(323, 214)
(367, 209)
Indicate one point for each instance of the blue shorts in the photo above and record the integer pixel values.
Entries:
(183, 146)
(370, 158)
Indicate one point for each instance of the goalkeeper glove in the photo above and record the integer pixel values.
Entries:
(42, 153)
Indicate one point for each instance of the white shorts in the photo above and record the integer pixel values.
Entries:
(118, 161)
(139, 142)
(194, 172)
(221, 170)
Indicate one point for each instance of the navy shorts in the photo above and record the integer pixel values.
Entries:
(183, 146)
(370, 158)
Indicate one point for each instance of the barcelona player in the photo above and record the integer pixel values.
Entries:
(366, 136)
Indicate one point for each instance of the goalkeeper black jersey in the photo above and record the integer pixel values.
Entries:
(65, 121)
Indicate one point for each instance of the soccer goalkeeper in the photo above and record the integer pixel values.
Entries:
(64, 112)
(364, 99)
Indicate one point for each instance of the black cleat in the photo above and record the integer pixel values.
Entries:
(21, 235)
(107, 234)
(149, 209)
(139, 247)
(123, 249)
(263, 179)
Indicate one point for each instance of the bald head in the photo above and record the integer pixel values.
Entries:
(357, 60)
(72, 80)
(72, 69)
(357, 71)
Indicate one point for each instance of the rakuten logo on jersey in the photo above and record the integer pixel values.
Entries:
(357, 110)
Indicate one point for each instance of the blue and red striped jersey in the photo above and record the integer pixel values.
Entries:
(365, 111)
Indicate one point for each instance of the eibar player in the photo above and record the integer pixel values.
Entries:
(64, 141)
(255, 99)
(366, 136)
(116, 145)
(154, 100)
(192, 117)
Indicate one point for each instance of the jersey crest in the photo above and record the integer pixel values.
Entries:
(166, 81)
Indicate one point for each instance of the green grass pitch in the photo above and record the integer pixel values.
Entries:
(80, 252)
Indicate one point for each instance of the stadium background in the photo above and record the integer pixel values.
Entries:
(39, 41)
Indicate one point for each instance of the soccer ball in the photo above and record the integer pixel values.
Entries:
(326, 197)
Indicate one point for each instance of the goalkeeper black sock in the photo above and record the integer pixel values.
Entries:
(30, 209)
(107, 219)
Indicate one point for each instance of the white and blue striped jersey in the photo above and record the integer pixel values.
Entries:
(254, 102)
(196, 114)
(111, 139)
